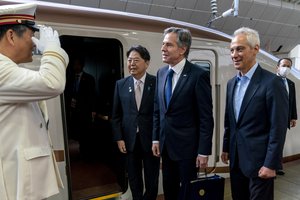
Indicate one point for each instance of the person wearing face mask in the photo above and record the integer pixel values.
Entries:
(283, 69)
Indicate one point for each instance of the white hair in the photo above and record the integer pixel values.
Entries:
(251, 35)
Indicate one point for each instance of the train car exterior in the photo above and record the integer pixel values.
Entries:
(103, 37)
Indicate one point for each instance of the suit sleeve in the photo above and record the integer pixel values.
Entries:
(20, 85)
(278, 116)
(226, 137)
(205, 113)
(294, 104)
(156, 113)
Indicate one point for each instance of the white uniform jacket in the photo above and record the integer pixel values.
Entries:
(27, 171)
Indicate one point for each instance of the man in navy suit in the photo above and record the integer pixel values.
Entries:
(255, 121)
(283, 69)
(183, 119)
(132, 123)
(80, 95)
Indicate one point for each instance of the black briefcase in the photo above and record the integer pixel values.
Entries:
(208, 188)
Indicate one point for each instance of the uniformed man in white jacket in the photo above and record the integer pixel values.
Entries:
(27, 167)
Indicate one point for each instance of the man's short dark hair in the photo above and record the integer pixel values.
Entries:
(144, 53)
(19, 29)
(278, 63)
(184, 38)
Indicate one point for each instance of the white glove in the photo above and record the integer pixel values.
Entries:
(47, 37)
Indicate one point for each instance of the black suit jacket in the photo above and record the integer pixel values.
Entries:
(126, 117)
(292, 101)
(185, 128)
(258, 136)
(85, 96)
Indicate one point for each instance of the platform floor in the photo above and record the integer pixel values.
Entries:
(287, 187)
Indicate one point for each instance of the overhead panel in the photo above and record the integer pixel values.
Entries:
(139, 7)
(161, 8)
(255, 13)
(113, 5)
(262, 27)
(201, 13)
(182, 10)
(87, 3)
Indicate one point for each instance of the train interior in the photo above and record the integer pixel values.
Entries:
(94, 165)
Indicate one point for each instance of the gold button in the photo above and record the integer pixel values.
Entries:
(201, 192)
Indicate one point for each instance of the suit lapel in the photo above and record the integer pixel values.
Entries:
(148, 87)
(163, 78)
(181, 81)
(130, 87)
(252, 88)
(231, 87)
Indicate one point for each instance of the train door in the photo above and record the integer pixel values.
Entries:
(207, 59)
(94, 166)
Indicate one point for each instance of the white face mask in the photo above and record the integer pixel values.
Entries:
(284, 71)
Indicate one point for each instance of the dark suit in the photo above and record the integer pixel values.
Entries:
(292, 106)
(80, 103)
(256, 139)
(292, 101)
(184, 129)
(125, 119)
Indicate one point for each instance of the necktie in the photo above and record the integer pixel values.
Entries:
(286, 84)
(77, 81)
(168, 87)
(138, 94)
(240, 90)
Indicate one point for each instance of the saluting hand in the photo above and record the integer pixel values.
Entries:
(48, 37)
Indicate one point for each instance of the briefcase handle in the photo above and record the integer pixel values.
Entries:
(204, 172)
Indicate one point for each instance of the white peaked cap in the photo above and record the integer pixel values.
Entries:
(18, 14)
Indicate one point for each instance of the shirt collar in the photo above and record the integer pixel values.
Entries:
(178, 67)
(141, 79)
(250, 73)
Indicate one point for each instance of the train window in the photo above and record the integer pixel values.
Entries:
(203, 64)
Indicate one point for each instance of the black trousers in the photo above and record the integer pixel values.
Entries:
(244, 188)
(177, 176)
(137, 161)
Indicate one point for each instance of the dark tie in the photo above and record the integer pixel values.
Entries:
(168, 87)
(76, 83)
